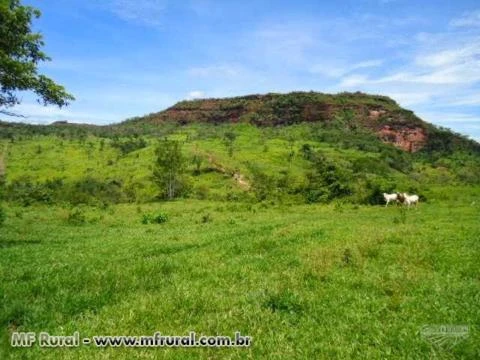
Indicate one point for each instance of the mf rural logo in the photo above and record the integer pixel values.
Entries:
(444, 335)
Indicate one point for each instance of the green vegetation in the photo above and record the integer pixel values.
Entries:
(154, 218)
(296, 164)
(169, 168)
(20, 54)
(305, 281)
(220, 226)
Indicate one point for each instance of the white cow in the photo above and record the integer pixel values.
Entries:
(410, 199)
(390, 197)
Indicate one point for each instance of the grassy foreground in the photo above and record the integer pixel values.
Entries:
(309, 282)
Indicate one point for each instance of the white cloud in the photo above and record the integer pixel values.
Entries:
(468, 100)
(354, 81)
(410, 98)
(451, 66)
(465, 123)
(450, 117)
(36, 113)
(196, 94)
(335, 70)
(465, 54)
(469, 19)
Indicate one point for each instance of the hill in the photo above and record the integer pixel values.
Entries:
(379, 114)
(297, 147)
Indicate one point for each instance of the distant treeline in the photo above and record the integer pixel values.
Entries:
(21, 131)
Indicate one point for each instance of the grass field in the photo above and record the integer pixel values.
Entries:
(305, 281)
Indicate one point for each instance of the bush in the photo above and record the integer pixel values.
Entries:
(374, 190)
(129, 145)
(206, 218)
(93, 191)
(159, 218)
(84, 191)
(327, 180)
(263, 185)
(26, 192)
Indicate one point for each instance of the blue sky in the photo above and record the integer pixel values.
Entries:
(123, 58)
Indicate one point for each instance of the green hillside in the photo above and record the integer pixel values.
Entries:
(340, 157)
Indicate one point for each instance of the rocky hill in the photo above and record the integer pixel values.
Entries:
(379, 114)
(350, 112)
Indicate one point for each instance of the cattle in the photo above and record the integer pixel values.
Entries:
(411, 199)
(390, 197)
(406, 199)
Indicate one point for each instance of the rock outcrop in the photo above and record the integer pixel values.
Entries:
(405, 138)
(380, 114)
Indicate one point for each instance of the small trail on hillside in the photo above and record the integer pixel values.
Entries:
(237, 176)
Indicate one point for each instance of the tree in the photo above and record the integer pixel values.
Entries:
(20, 54)
(169, 168)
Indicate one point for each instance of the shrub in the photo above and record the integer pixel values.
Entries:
(129, 145)
(327, 180)
(206, 218)
(93, 191)
(263, 185)
(306, 151)
(84, 191)
(374, 189)
(159, 218)
(26, 192)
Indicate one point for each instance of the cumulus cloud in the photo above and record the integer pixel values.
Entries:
(195, 94)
